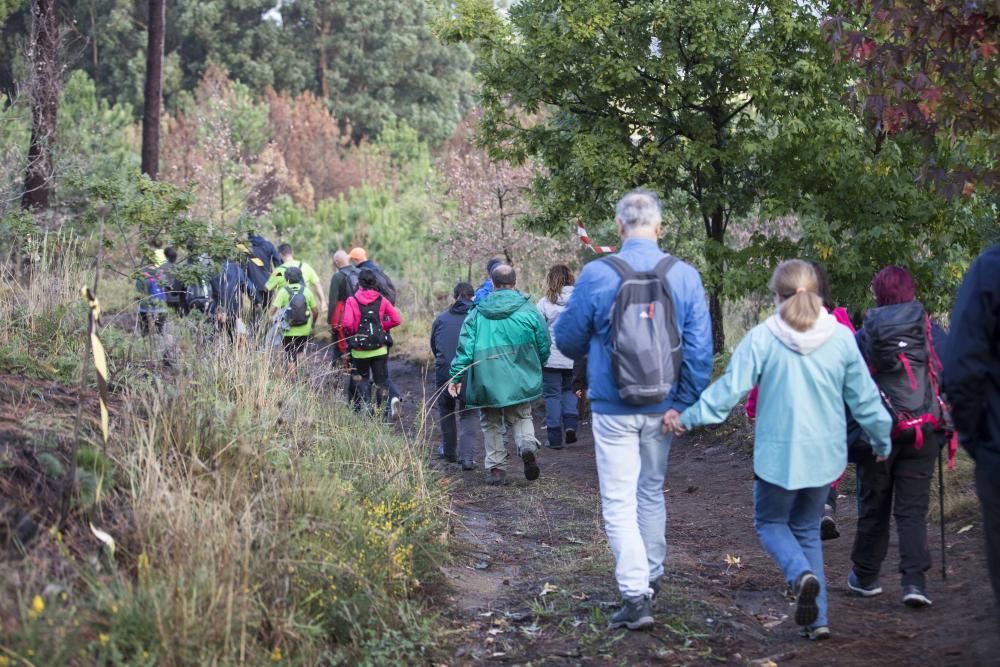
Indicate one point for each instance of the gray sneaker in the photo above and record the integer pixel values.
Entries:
(864, 590)
(816, 633)
(914, 596)
(635, 614)
(806, 591)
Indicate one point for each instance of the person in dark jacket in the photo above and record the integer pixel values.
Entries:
(972, 381)
(260, 262)
(228, 288)
(900, 486)
(459, 424)
(343, 284)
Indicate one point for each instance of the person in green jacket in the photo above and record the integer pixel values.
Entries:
(501, 351)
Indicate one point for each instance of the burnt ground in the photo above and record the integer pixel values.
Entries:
(532, 581)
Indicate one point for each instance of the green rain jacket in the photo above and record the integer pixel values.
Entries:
(503, 345)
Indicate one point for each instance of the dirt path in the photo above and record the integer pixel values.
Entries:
(533, 580)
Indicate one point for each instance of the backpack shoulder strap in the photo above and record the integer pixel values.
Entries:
(663, 267)
(621, 267)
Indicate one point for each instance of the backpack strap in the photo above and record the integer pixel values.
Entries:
(621, 267)
(663, 267)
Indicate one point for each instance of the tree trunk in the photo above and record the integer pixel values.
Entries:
(44, 104)
(716, 265)
(154, 89)
(324, 37)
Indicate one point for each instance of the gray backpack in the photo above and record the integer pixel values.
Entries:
(645, 343)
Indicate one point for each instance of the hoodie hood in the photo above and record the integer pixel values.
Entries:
(366, 296)
(564, 295)
(501, 304)
(803, 342)
(460, 307)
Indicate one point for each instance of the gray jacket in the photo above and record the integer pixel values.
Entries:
(551, 311)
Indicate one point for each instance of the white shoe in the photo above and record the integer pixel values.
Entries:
(394, 407)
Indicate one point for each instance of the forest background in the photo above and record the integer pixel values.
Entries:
(436, 135)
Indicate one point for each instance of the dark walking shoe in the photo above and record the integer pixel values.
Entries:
(635, 614)
(531, 470)
(914, 596)
(815, 634)
(570, 436)
(806, 591)
(554, 438)
(864, 590)
(828, 529)
(468, 465)
(497, 477)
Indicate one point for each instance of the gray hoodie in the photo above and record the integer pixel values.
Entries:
(551, 311)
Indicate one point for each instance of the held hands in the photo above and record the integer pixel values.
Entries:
(454, 389)
(672, 423)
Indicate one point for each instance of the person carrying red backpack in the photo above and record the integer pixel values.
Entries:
(898, 341)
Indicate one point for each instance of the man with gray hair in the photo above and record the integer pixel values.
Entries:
(631, 448)
(343, 285)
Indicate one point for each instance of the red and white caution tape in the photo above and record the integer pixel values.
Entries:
(585, 239)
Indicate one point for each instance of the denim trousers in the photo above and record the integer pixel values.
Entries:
(560, 399)
(632, 452)
(787, 524)
(492, 421)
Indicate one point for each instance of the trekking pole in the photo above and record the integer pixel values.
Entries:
(944, 557)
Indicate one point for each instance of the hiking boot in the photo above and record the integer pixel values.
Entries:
(468, 465)
(554, 437)
(635, 614)
(531, 471)
(497, 477)
(655, 584)
(450, 458)
(570, 436)
(817, 633)
(828, 529)
(806, 591)
(914, 596)
(864, 590)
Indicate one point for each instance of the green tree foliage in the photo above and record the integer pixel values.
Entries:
(671, 96)
(376, 61)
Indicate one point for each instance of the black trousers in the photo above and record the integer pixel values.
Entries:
(900, 487)
(988, 489)
(372, 371)
(151, 321)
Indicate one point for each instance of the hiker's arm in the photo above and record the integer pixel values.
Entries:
(542, 339)
(722, 396)
(334, 299)
(575, 325)
(466, 343)
(435, 331)
(696, 344)
(862, 398)
(967, 355)
(390, 316)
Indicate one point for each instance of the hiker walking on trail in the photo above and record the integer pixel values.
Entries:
(343, 285)
(486, 288)
(898, 342)
(228, 287)
(368, 317)
(300, 312)
(459, 424)
(309, 275)
(641, 319)
(152, 285)
(972, 380)
(501, 350)
(260, 259)
(807, 367)
(557, 376)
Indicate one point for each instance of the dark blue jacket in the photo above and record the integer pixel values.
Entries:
(228, 287)
(972, 359)
(265, 250)
(585, 326)
(444, 338)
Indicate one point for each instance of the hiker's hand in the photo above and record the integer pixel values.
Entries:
(454, 389)
(672, 423)
(579, 393)
(881, 459)
(221, 317)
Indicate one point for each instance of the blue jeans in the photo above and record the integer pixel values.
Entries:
(560, 399)
(787, 524)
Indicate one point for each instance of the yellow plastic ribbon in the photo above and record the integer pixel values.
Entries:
(100, 358)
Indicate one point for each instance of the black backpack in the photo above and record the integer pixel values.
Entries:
(198, 296)
(898, 346)
(351, 274)
(257, 265)
(646, 350)
(370, 335)
(297, 311)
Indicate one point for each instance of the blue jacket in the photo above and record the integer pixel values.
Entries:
(971, 359)
(585, 328)
(228, 287)
(805, 379)
(484, 291)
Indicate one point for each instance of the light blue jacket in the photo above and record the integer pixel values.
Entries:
(584, 328)
(805, 379)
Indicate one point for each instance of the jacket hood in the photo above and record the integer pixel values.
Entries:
(803, 342)
(460, 307)
(501, 304)
(564, 295)
(366, 296)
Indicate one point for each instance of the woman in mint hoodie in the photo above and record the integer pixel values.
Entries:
(807, 366)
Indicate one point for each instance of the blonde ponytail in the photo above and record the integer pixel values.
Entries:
(796, 287)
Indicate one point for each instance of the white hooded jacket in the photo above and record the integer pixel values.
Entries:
(551, 311)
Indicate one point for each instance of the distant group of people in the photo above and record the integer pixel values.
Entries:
(637, 324)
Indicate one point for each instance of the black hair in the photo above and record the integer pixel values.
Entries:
(171, 254)
(823, 286)
(284, 249)
(464, 291)
(367, 279)
(503, 276)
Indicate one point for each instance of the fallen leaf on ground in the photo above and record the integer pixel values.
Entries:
(574, 540)
(580, 596)
(548, 588)
(965, 529)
